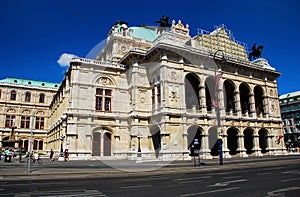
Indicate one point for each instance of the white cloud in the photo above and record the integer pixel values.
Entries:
(65, 59)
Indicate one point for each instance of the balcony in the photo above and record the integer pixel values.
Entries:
(107, 64)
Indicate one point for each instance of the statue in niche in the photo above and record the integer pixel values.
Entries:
(256, 52)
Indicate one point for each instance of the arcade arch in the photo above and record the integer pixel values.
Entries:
(194, 132)
(192, 88)
(229, 101)
(156, 139)
(259, 100)
(244, 98)
(232, 140)
(248, 140)
(263, 140)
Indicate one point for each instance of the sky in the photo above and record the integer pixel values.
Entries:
(34, 34)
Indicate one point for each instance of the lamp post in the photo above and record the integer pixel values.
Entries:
(62, 137)
(139, 153)
(217, 107)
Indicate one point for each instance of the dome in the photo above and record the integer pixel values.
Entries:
(142, 33)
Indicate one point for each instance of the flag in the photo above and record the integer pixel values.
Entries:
(216, 98)
(278, 139)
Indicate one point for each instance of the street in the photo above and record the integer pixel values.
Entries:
(272, 177)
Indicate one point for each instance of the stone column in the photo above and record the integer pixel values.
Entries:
(225, 146)
(256, 148)
(241, 146)
(206, 150)
(202, 97)
(221, 102)
(252, 104)
(237, 103)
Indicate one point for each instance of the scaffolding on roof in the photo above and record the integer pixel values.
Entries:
(222, 39)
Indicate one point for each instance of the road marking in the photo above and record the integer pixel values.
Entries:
(232, 177)
(262, 174)
(207, 192)
(276, 192)
(287, 180)
(192, 178)
(291, 172)
(135, 186)
(222, 184)
(192, 181)
(145, 179)
(274, 168)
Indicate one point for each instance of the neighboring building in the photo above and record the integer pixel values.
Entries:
(290, 113)
(153, 88)
(18, 98)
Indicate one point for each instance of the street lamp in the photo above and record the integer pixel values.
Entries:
(139, 153)
(62, 137)
(217, 107)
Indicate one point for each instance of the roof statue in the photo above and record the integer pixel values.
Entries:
(256, 52)
(164, 21)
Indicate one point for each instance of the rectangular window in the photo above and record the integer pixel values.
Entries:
(27, 97)
(9, 120)
(98, 103)
(158, 94)
(39, 123)
(13, 95)
(25, 122)
(153, 98)
(107, 104)
(103, 99)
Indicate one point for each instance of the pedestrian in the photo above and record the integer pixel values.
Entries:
(51, 155)
(6, 155)
(66, 155)
(36, 156)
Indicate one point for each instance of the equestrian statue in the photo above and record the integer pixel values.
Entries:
(256, 52)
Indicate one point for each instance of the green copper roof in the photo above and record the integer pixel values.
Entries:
(290, 95)
(28, 82)
(142, 33)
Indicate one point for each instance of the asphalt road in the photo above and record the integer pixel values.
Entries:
(272, 177)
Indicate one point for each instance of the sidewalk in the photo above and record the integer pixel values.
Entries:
(79, 168)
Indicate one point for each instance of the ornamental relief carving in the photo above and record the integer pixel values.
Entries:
(142, 96)
(173, 94)
(26, 111)
(173, 76)
(11, 110)
(41, 113)
(105, 81)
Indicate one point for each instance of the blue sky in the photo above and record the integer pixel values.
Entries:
(35, 33)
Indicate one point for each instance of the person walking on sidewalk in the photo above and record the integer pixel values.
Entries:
(66, 155)
(51, 155)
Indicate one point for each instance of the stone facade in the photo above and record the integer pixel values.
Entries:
(153, 89)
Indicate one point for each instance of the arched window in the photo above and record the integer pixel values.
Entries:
(35, 144)
(13, 95)
(42, 98)
(41, 145)
(27, 97)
